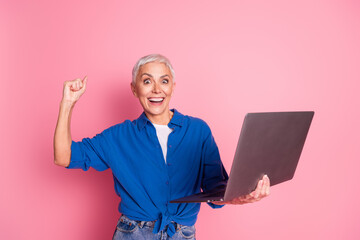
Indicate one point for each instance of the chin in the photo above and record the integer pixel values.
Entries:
(156, 111)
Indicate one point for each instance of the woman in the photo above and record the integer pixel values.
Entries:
(160, 156)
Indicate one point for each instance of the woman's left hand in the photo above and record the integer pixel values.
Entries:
(262, 190)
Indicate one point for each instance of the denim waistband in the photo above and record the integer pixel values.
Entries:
(141, 224)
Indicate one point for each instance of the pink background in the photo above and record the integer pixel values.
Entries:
(230, 58)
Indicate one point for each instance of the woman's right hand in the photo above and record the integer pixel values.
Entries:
(73, 90)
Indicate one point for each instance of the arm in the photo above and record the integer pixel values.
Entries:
(215, 174)
(73, 90)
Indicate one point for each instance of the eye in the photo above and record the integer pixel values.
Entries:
(147, 81)
(165, 81)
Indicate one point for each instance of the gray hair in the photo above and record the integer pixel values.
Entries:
(151, 58)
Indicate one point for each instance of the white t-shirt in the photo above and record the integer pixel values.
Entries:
(162, 132)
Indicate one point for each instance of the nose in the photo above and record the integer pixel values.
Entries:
(156, 88)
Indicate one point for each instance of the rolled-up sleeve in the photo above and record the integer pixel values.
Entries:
(90, 152)
(214, 174)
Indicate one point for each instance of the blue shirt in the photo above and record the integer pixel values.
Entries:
(145, 182)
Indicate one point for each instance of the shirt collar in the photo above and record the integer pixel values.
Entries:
(177, 119)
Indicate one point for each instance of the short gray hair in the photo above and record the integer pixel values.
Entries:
(148, 59)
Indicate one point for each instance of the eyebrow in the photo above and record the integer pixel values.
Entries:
(146, 74)
(152, 76)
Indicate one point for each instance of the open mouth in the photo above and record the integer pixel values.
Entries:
(156, 100)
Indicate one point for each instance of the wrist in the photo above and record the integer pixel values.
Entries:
(66, 104)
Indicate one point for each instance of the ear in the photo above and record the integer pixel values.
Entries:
(133, 90)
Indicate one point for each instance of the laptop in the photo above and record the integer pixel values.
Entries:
(270, 143)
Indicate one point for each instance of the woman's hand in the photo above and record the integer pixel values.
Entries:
(262, 190)
(73, 90)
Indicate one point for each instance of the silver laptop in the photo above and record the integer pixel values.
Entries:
(270, 143)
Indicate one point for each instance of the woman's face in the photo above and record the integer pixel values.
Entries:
(154, 87)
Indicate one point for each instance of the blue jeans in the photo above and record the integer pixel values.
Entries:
(128, 229)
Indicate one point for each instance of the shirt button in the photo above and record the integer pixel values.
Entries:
(169, 164)
(170, 146)
(167, 182)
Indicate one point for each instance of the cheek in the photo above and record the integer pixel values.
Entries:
(142, 91)
(168, 90)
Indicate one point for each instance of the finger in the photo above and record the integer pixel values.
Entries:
(258, 188)
(241, 200)
(251, 195)
(255, 193)
(77, 85)
(236, 201)
(267, 184)
(268, 190)
(83, 85)
(73, 85)
(249, 200)
(265, 179)
(264, 186)
(263, 190)
(84, 82)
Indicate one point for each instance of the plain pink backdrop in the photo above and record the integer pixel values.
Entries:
(230, 58)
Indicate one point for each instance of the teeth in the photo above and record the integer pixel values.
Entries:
(156, 99)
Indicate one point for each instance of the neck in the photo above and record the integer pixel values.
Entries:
(162, 119)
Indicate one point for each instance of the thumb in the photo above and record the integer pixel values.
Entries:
(84, 81)
(83, 87)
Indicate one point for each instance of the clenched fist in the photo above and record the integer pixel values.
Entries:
(74, 89)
